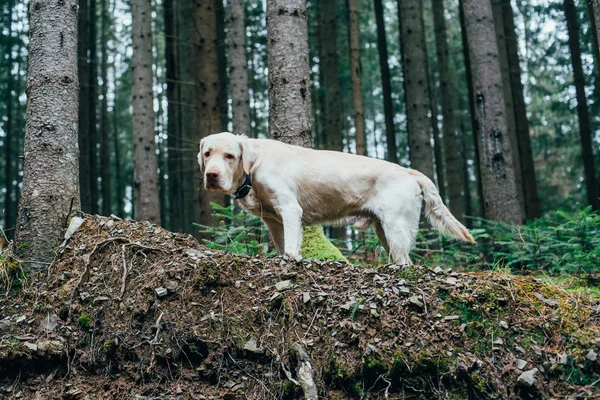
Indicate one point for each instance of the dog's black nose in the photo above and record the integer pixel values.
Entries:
(212, 176)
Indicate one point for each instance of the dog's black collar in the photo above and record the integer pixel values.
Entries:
(243, 190)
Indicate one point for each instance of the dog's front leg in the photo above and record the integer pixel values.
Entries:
(291, 216)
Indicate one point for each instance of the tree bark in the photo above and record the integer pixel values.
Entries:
(532, 201)
(222, 61)
(174, 142)
(206, 66)
(91, 102)
(596, 17)
(238, 67)
(501, 202)
(437, 141)
(328, 64)
(85, 178)
(104, 122)
(450, 135)
(355, 73)
(9, 132)
(388, 107)
(289, 91)
(511, 123)
(50, 176)
(120, 184)
(416, 90)
(145, 180)
(471, 95)
(585, 132)
(188, 170)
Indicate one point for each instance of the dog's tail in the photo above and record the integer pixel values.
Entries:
(438, 214)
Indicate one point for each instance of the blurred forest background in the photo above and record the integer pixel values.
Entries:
(210, 75)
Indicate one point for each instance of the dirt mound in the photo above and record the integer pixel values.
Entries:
(131, 310)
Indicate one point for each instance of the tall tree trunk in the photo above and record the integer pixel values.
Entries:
(585, 132)
(511, 123)
(145, 180)
(289, 91)
(355, 73)
(222, 60)
(92, 106)
(501, 201)
(328, 65)
(187, 114)
(9, 132)
(596, 17)
(472, 112)
(437, 141)
(238, 67)
(388, 107)
(50, 176)
(120, 184)
(104, 122)
(206, 65)
(174, 142)
(532, 201)
(85, 177)
(450, 135)
(416, 90)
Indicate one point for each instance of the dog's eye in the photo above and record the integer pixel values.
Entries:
(207, 154)
(230, 156)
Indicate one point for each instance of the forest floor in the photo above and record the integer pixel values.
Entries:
(130, 310)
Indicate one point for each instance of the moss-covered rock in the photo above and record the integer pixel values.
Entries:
(316, 245)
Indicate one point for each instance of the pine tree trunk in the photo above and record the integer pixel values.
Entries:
(222, 61)
(587, 153)
(386, 86)
(120, 184)
(437, 140)
(511, 123)
(188, 170)
(176, 204)
(451, 139)
(596, 17)
(331, 108)
(50, 176)
(416, 90)
(472, 112)
(355, 73)
(85, 178)
(92, 106)
(238, 67)
(145, 180)
(104, 122)
(500, 197)
(532, 201)
(9, 138)
(289, 91)
(206, 66)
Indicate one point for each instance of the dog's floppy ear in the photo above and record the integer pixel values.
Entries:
(250, 155)
(201, 157)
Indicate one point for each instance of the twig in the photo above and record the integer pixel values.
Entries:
(155, 340)
(125, 272)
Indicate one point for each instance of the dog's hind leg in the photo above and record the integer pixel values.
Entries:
(291, 216)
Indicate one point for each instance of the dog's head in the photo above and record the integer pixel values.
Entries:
(224, 158)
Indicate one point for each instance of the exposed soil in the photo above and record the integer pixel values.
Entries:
(129, 309)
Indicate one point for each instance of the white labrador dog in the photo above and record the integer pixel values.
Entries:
(288, 186)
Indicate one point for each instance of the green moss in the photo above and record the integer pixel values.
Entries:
(290, 391)
(316, 245)
(337, 377)
(420, 369)
(84, 321)
(371, 368)
(109, 347)
(411, 275)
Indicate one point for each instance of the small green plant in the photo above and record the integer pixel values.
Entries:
(237, 232)
(84, 321)
(356, 308)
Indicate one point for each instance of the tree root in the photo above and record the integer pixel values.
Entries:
(304, 372)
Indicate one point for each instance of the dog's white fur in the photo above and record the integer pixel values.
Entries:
(293, 185)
